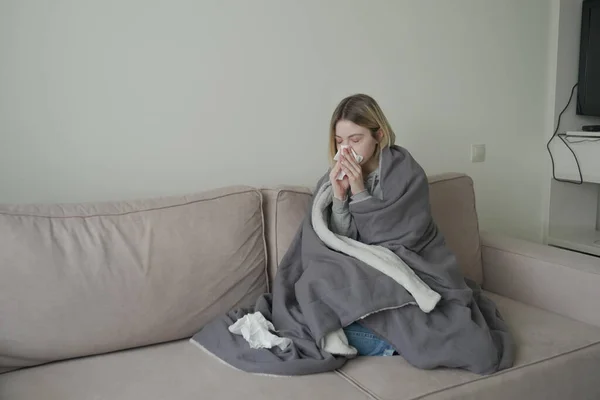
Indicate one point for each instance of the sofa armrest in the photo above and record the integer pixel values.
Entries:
(557, 280)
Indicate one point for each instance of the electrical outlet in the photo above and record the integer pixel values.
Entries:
(477, 152)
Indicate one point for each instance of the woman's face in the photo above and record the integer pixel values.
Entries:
(359, 138)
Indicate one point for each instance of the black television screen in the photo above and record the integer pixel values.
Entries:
(589, 60)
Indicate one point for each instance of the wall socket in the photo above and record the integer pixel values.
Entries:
(477, 152)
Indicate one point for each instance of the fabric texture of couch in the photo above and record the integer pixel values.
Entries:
(97, 301)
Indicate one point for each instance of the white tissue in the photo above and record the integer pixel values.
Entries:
(357, 157)
(255, 329)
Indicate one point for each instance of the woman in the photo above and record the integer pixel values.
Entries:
(334, 298)
(359, 130)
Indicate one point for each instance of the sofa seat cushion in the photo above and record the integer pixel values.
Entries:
(177, 370)
(557, 358)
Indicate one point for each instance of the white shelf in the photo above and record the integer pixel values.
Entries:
(585, 241)
(588, 155)
(587, 178)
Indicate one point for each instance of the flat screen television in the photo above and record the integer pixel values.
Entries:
(589, 60)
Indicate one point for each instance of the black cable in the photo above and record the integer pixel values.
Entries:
(566, 144)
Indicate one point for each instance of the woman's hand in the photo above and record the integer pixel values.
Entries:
(340, 188)
(353, 172)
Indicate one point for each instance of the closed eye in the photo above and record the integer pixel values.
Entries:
(353, 138)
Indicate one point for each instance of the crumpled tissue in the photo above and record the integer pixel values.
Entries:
(255, 329)
(357, 157)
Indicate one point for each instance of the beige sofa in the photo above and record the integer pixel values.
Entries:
(98, 301)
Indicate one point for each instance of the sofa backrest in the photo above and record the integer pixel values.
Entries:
(284, 209)
(452, 201)
(86, 279)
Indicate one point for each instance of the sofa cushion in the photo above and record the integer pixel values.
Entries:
(452, 201)
(557, 358)
(284, 209)
(91, 278)
(176, 370)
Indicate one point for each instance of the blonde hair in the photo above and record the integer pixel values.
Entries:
(364, 111)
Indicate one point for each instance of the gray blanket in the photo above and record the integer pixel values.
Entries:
(318, 290)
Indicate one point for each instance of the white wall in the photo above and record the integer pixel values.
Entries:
(130, 98)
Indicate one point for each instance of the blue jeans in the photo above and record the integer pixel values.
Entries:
(366, 342)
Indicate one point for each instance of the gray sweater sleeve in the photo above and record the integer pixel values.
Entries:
(358, 197)
(341, 221)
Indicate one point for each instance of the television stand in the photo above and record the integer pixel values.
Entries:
(574, 212)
